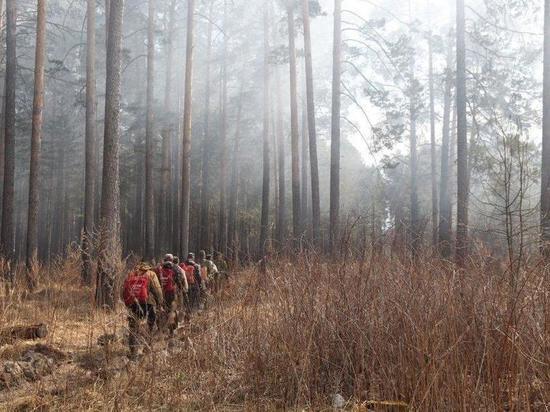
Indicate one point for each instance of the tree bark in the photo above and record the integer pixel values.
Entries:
(294, 133)
(444, 238)
(335, 129)
(433, 150)
(234, 186)
(264, 223)
(545, 167)
(36, 139)
(7, 238)
(415, 214)
(91, 132)
(313, 161)
(187, 129)
(166, 195)
(149, 136)
(281, 212)
(109, 246)
(2, 115)
(222, 227)
(461, 140)
(304, 184)
(204, 238)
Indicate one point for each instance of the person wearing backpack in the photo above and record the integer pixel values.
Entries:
(193, 275)
(171, 282)
(142, 295)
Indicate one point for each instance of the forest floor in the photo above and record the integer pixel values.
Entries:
(79, 371)
(369, 335)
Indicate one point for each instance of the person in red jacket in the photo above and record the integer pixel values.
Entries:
(192, 273)
(172, 284)
(142, 295)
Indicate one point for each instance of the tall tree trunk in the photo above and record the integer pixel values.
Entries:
(461, 140)
(187, 128)
(91, 131)
(444, 192)
(335, 128)
(8, 233)
(413, 97)
(281, 212)
(545, 168)
(222, 227)
(166, 195)
(109, 246)
(294, 133)
(149, 137)
(234, 186)
(433, 151)
(36, 138)
(2, 115)
(415, 235)
(303, 167)
(204, 241)
(313, 161)
(264, 224)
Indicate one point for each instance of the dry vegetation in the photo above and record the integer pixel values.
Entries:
(374, 330)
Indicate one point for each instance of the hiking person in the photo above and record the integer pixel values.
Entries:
(208, 269)
(193, 275)
(171, 282)
(212, 272)
(184, 290)
(142, 295)
(221, 263)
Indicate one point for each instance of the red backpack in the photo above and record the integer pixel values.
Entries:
(189, 273)
(136, 289)
(166, 277)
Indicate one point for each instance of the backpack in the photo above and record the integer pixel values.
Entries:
(136, 289)
(166, 277)
(189, 273)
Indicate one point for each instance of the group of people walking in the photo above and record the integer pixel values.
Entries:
(162, 294)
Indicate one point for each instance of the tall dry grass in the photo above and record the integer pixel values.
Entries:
(377, 330)
(427, 335)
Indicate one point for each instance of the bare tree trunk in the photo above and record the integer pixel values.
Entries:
(413, 97)
(545, 168)
(281, 212)
(2, 115)
(433, 163)
(186, 144)
(149, 138)
(303, 167)
(335, 128)
(461, 140)
(166, 195)
(204, 241)
(36, 139)
(234, 187)
(264, 224)
(222, 227)
(295, 136)
(314, 164)
(8, 232)
(109, 246)
(444, 193)
(91, 131)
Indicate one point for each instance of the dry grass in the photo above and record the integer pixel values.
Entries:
(430, 337)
